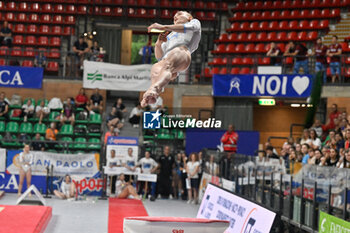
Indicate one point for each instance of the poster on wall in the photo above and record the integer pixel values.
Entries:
(243, 215)
(125, 149)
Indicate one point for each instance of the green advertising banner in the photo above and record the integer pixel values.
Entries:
(331, 224)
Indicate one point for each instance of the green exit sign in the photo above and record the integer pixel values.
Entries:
(267, 102)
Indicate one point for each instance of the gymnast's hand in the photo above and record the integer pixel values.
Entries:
(162, 37)
(156, 26)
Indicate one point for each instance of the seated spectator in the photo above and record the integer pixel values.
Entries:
(124, 189)
(51, 134)
(299, 51)
(275, 53)
(67, 189)
(305, 152)
(177, 176)
(40, 60)
(80, 48)
(67, 113)
(41, 111)
(347, 139)
(333, 158)
(113, 120)
(270, 154)
(96, 52)
(6, 35)
(120, 109)
(135, 115)
(339, 141)
(345, 162)
(305, 137)
(298, 148)
(315, 142)
(96, 101)
(289, 142)
(317, 126)
(27, 110)
(37, 144)
(334, 52)
(109, 133)
(4, 106)
(330, 137)
(81, 101)
(311, 159)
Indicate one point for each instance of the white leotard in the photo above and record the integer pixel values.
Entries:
(189, 38)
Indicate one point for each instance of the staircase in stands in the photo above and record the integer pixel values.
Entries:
(342, 29)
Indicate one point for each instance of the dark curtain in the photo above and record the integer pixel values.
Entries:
(110, 39)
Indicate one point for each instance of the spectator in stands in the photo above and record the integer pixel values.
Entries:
(40, 60)
(96, 54)
(113, 161)
(4, 106)
(275, 53)
(333, 115)
(148, 166)
(334, 52)
(113, 120)
(110, 133)
(330, 137)
(6, 35)
(333, 158)
(345, 163)
(41, 111)
(146, 53)
(347, 139)
(290, 142)
(270, 154)
(192, 168)
(339, 141)
(299, 51)
(315, 142)
(311, 159)
(211, 167)
(120, 107)
(316, 159)
(317, 126)
(37, 144)
(320, 51)
(177, 176)
(67, 189)
(96, 100)
(26, 160)
(135, 115)
(80, 48)
(306, 137)
(124, 189)
(67, 113)
(230, 139)
(51, 134)
(81, 101)
(27, 110)
(305, 152)
(165, 164)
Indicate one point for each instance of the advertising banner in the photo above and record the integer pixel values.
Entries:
(121, 146)
(262, 85)
(330, 224)
(21, 77)
(109, 76)
(9, 183)
(243, 215)
(84, 165)
(2, 160)
(84, 186)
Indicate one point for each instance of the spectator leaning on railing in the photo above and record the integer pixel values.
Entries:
(334, 51)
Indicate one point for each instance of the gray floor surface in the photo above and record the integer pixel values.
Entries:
(91, 215)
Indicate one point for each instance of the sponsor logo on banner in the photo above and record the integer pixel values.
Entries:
(262, 85)
(151, 120)
(121, 146)
(243, 215)
(9, 183)
(91, 186)
(21, 77)
(331, 224)
(110, 76)
(86, 165)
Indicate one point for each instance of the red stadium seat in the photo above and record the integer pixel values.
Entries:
(347, 72)
(45, 18)
(67, 31)
(313, 24)
(254, 26)
(199, 5)
(240, 48)
(165, 3)
(216, 61)
(223, 71)
(11, 6)
(267, 5)
(237, 16)
(4, 50)
(277, 5)
(23, 6)
(57, 19)
(54, 53)
(283, 25)
(302, 36)
(244, 26)
(220, 48)
(30, 40)
(28, 63)
(59, 9)
(262, 36)
(176, 4)
(211, 15)
(325, 13)
(46, 8)
(264, 61)
(232, 37)
(315, 3)
(312, 35)
(245, 70)
(242, 36)
(9, 16)
(83, 10)
(223, 38)
(16, 52)
(247, 61)
(250, 48)
(286, 4)
(296, 4)
(52, 66)
(211, 5)
(55, 41)
(292, 36)
(289, 60)
(255, 15)
(44, 29)
(230, 48)
(272, 36)
(265, 15)
(131, 12)
(18, 39)
(294, 14)
(281, 46)
(43, 41)
(263, 26)
(118, 11)
(260, 48)
(273, 25)
(324, 24)
(21, 17)
(2, 6)
(304, 14)
(35, 7)
(251, 36)
(29, 52)
(237, 61)
(19, 28)
(258, 5)
(234, 70)
(347, 60)
(293, 25)
(57, 30)
(246, 15)
(34, 18)
(2, 62)
(315, 13)
(165, 14)
(235, 26)
(215, 70)
(32, 29)
(200, 15)
(304, 24)
(285, 14)
(70, 19)
(335, 13)
(106, 11)
(71, 9)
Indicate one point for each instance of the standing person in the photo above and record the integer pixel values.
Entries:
(334, 51)
(67, 188)
(80, 48)
(298, 51)
(177, 176)
(40, 60)
(174, 51)
(320, 51)
(146, 53)
(26, 160)
(230, 139)
(96, 54)
(6, 35)
(148, 166)
(192, 168)
(130, 163)
(275, 53)
(124, 189)
(165, 164)
(113, 161)
(135, 115)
